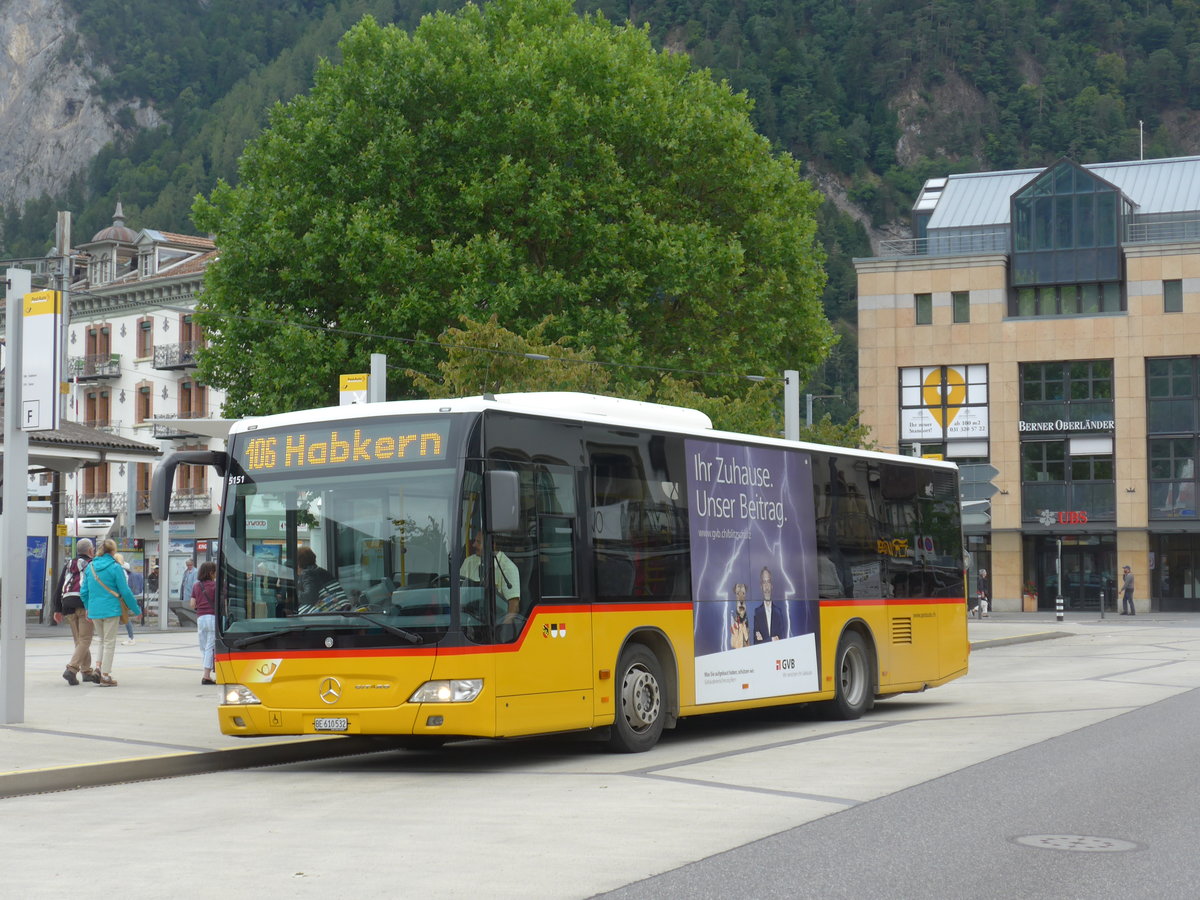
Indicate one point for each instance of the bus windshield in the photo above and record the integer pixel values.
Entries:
(363, 553)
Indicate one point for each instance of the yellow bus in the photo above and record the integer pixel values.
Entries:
(522, 564)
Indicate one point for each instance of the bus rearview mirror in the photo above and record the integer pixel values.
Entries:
(503, 502)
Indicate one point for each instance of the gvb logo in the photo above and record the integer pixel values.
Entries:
(783, 664)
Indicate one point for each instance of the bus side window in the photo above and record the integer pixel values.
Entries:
(555, 493)
(556, 556)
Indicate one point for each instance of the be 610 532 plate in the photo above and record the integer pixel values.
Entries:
(330, 723)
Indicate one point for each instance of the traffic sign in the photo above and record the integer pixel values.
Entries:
(975, 481)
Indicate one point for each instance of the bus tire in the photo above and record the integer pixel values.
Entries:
(640, 701)
(854, 676)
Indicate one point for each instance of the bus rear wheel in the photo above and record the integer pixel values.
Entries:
(640, 715)
(855, 689)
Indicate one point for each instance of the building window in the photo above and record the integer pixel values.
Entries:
(98, 342)
(1068, 391)
(1171, 395)
(1173, 425)
(1067, 446)
(1043, 461)
(1066, 229)
(1172, 478)
(1173, 296)
(96, 409)
(1067, 300)
(143, 487)
(145, 338)
(962, 306)
(193, 400)
(144, 404)
(945, 410)
(924, 308)
(1053, 478)
(189, 331)
(95, 480)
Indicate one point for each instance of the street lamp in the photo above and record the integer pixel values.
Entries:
(808, 405)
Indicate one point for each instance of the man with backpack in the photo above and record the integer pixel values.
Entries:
(68, 605)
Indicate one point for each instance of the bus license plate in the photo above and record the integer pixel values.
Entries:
(330, 724)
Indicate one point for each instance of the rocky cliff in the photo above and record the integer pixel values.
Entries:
(51, 123)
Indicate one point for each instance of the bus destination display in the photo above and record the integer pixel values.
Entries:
(344, 445)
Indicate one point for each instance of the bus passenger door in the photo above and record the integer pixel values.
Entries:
(543, 678)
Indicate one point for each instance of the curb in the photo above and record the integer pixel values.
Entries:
(68, 778)
(1019, 639)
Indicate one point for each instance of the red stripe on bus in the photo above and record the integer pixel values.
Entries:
(542, 612)
(897, 601)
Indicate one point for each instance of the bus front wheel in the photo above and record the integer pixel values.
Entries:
(855, 689)
(640, 714)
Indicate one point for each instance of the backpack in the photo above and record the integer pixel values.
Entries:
(67, 599)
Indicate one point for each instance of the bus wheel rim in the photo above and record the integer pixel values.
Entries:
(640, 698)
(853, 676)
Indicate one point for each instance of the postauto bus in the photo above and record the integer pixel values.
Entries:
(550, 562)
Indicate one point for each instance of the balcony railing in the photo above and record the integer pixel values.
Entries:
(1163, 231)
(191, 500)
(951, 244)
(176, 356)
(175, 430)
(108, 426)
(94, 367)
(96, 505)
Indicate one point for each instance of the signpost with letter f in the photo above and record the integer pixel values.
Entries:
(31, 392)
(13, 524)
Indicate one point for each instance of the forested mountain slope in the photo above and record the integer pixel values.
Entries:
(872, 96)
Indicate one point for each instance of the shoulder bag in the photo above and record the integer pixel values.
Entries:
(125, 614)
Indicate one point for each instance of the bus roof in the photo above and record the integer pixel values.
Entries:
(552, 404)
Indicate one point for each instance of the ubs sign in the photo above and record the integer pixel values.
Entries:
(1050, 517)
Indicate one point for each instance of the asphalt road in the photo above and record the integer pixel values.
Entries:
(1084, 743)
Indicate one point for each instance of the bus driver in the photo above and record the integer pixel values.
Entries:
(508, 579)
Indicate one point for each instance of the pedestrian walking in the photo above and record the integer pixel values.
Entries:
(1127, 593)
(69, 606)
(204, 602)
(104, 589)
(188, 582)
(128, 623)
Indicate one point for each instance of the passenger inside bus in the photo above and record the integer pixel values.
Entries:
(312, 577)
(507, 577)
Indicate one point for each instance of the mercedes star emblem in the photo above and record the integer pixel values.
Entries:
(331, 690)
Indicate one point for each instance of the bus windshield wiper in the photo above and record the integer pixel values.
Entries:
(264, 635)
(307, 626)
(384, 624)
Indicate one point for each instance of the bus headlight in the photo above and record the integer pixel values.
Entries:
(456, 690)
(238, 695)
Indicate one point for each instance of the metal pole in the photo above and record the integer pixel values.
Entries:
(1102, 603)
(164, 571)
(14, 523)
(377, 383)
(791, 405)
(808, 399)
(1058, 601)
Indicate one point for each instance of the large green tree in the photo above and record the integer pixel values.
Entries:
(512, 161)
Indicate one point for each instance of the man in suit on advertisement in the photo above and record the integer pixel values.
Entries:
(769, 619)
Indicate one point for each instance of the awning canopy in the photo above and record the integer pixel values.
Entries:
(72, 446)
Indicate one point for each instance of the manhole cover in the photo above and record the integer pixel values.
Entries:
(1083, 843)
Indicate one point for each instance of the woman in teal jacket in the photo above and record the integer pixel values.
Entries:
(102, 588)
